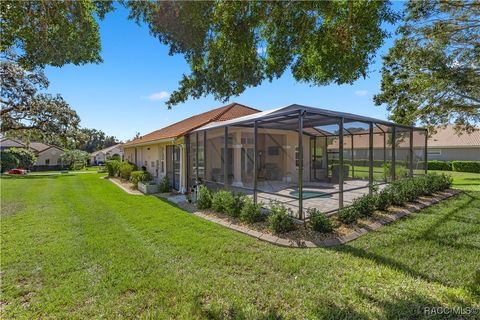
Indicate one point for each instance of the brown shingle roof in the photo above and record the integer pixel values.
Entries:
(228, 112)
(447, 137)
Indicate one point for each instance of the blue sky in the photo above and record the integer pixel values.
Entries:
(125, 93)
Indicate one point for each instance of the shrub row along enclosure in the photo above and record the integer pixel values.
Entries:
(304, 157)
(279, 218)
(398, 193)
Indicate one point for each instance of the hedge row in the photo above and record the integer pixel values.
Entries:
(459, 166)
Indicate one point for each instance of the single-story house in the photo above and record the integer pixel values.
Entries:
(447, 145)
(286, 154)
(163, 152)
(444, 145)
(48, 156)
(100, 156)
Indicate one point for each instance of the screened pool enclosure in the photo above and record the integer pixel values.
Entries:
(304, 157)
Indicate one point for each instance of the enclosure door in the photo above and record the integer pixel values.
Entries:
(173, 166)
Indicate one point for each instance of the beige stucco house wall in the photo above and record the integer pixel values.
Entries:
(101, 156)
(153, 156)
(49, 157)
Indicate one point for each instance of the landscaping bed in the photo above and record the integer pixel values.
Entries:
(365, 214)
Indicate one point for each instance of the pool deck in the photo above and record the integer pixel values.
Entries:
(282, 192)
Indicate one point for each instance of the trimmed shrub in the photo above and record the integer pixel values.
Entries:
(383, 199)
(235, 207)
(279, 219)
(221, 201)
(204, 198)
(250, 212)
(113, 167)
(411, 189)
(400, 171)
(116, 156)
(439, 182)
(365, 205)
(8, 160)
(164, 185)
(466, 166)
(348, 215)
(137, 176)
(319, 221)
(422, 185)
(439, 165)
(125, 169)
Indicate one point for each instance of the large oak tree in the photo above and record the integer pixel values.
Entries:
(432, 73)
(233, 45)
(26, 107)
(52, 33)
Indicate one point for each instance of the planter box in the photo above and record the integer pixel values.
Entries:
(148, 187)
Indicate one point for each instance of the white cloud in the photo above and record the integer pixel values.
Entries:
(162, 95)
(361, 93)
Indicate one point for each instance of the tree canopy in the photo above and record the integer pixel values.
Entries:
(74, 159)
(91, 140)
(52, 32)
(25, 106)
(233, 45)
(432, 73)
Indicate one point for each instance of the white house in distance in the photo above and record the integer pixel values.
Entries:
(48, 156)
(100, 156)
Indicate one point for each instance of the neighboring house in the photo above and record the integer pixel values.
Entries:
(444, 145)
(48, 156)
(447, 145)
(6, 143)
(163, 152)
(100, 156)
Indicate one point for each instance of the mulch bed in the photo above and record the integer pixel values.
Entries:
(303, 233)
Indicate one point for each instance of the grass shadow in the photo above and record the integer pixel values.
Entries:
(430, 233)
(416, 307)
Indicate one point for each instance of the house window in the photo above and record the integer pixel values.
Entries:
(163, 166)
(434, 152)
(47, 162)
(152, 164)
(157, 162)
(145, 163)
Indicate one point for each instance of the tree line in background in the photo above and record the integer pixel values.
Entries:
(30, 114)
(431, 75)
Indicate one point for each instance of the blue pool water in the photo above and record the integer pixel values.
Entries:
(310, 194)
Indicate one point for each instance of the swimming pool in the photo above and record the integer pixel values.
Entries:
(310, 194)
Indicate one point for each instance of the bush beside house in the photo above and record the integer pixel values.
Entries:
(17, 158)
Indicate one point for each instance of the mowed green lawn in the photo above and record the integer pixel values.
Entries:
(77, 246)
